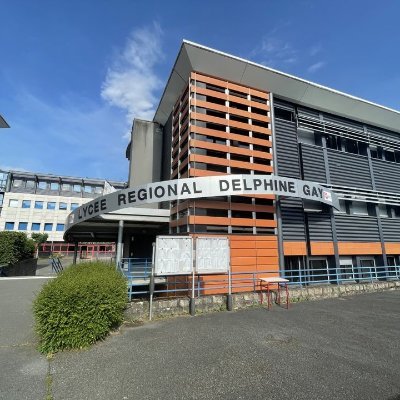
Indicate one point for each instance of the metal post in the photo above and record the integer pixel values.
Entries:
(152, 283)
(119, 242)
(229, 297)
(75, 253)
(192, 305)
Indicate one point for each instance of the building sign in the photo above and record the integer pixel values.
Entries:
(174, 255)
(212, 255)
(191, 188)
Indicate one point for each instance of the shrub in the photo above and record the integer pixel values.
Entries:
(80, 306)
(15, 247)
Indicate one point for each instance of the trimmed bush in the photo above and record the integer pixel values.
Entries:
(15, 247)
(80, 306)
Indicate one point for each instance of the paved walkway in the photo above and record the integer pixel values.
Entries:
(333, 349)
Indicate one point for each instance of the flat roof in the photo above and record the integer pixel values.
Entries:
(202, 59)
(3, 123)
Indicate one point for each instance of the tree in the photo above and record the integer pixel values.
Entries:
(39, 238)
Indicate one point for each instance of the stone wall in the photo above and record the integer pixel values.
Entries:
(139, 310)
(22, 268)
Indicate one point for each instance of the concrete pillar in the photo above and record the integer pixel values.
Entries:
(119, 242)
(75, 253)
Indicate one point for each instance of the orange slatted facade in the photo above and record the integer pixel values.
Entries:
(218, 128)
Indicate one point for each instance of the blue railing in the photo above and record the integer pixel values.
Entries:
(138, 272)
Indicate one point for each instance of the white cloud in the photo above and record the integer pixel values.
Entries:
(316, 66)
(314, 50)
(131, 82)
(274, 52)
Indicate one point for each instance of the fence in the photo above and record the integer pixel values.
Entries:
(138, 273)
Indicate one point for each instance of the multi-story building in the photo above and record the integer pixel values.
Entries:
(222, 115)
(32, 202)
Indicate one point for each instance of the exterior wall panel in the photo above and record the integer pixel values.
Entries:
(313, 163)
(357, 229)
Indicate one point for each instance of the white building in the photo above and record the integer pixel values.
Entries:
(32, 202)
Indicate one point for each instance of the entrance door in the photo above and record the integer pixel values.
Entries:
(346, 269)
(318, 270)
(393, 269)
(368, 269)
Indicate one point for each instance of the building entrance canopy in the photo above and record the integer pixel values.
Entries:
(191, 188)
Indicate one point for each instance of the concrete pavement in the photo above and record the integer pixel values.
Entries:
(345, 348)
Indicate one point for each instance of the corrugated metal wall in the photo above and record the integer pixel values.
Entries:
(357, 229)
(320, 227)
(391, 229)
(349, 169)
(286, 148)
(293, 219)
(313, 163)
(387, 175)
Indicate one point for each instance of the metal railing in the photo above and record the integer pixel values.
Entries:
(138, 272)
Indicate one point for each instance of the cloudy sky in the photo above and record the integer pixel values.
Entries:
(73, 74)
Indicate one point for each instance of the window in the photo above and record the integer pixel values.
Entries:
(17, 183)
(66, 187)
(30, 184)
(74, 206)
(87, 189)
(389, 155)
(35, 226)
(54, 186)
(62, 206)
(77, 188)
(26, 204)
(333, 142)
(48, 227)
(306, 136)
(22, 226)
(13, 203)
(359, 208)
(51, 205)
(98, 189)
(60, 227)
(42, 185)
(342, 205)
(351, 146)
(39, 205)
(346, 269)
(383, 211)
(9, 226)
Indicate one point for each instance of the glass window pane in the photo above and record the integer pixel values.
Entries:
(98, 189)
(74, 206)
(39, 204)
(22, 226)
(87, 189)
(54, 185)
(26, 204)
(13, 203)
(9, 226)
(359, 208)
(66, 187)
(51, 205)
(30, 184)
(42, 185)
(35, 226)
(77, 188)
(17, 183)
(383, 212)
(60, 227)
(62, 206)
(48, 227)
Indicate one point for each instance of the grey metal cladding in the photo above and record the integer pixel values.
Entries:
(320, 227)
(387, 176)
(357, 229)
(391, 229)
(292, 219)
(313, 163)
(349, 169)
(287, 149)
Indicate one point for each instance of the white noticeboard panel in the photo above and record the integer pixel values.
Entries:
(212, 255)
(174, 255)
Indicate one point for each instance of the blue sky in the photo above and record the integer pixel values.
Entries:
(74, 73)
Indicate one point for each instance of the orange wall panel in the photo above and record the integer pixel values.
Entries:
(392, 248)
(359, 248)
(322, 248)
(294, 248)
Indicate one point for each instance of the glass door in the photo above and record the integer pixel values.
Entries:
(368, 269)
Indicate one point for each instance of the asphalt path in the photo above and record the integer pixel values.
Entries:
(345, 348)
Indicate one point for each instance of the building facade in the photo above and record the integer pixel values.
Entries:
(222, 115)
(31, 202)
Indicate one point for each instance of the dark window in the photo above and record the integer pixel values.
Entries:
(284, 114)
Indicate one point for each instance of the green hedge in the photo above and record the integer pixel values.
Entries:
(15, 247)
(80, 306)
